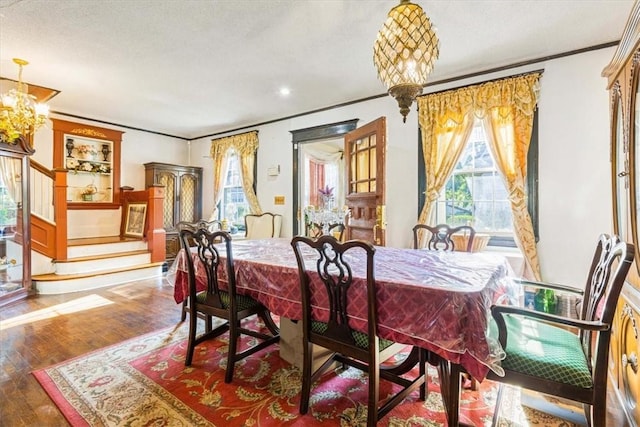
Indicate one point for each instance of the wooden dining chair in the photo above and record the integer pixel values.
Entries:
(336, 230)
(223, 303)
(313, 230)
(364, 351)
(193, 226)
(441, 236)
(262, 226)
(441, 239)
(543, 355)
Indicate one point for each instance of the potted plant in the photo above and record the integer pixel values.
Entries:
(88, 192)
(87, 151)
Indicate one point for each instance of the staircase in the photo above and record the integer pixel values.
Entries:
(97, 262)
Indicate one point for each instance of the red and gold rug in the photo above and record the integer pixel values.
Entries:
(143, 382)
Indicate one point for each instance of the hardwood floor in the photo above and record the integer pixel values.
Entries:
(48, 329)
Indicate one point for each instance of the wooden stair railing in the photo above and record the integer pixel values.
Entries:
(48, 189)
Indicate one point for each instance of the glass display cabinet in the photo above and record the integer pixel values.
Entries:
(15, 227)
(623, 75)
(92, 156)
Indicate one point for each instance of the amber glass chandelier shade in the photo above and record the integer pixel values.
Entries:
(20, 114)
(404, 53)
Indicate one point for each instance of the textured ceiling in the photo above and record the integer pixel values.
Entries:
(192, 68)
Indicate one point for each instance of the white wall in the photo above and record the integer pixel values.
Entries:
(276, 149)
(574, 181)
(137, 148)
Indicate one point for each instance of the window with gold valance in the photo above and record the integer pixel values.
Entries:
(236, 155)
(505, 109)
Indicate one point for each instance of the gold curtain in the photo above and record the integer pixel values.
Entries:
(507, 107)
(245, 145)
(446, 120)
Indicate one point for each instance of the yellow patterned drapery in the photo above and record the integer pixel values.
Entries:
(446, 121)
(507, 108)
(245, 144)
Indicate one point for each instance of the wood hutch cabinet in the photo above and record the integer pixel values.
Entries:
(623, 74)
(15, 224)
(183, 198)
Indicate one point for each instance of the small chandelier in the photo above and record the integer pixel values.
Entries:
(404, 53)
(20, 114)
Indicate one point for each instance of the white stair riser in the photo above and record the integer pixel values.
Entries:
(93, 265)
(104, 249)
(94, 282)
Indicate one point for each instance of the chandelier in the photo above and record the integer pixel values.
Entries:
(404, 53)
(20, 114)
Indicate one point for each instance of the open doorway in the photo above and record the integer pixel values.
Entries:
(322, 185)
(318, 166)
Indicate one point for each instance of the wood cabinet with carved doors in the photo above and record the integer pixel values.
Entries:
(182, 200)
(623, 74)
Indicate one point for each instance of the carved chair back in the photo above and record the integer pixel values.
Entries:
(440, 236)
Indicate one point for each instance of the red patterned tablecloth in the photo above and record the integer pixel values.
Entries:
(433, 299)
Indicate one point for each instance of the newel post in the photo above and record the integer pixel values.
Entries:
(156, 236)
(60, 212)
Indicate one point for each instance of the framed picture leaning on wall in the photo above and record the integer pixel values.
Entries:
(135, 219)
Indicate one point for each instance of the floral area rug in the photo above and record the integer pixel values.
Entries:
(143, 382)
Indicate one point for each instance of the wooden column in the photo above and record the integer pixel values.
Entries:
(155, 230)
(60, 212)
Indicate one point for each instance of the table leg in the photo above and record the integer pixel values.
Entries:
(449, 374)
(291, 345)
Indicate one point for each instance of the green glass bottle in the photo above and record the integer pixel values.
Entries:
(545, 300)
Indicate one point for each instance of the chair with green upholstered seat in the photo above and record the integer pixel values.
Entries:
(193, 226)
(333, 263)
(561, 356)
(215, 263)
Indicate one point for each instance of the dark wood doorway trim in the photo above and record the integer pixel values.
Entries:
(302, 136)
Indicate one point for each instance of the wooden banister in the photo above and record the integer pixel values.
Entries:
(51, 238)
(42, 169)
(60, 212)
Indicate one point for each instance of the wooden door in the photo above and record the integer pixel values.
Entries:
(364, 150)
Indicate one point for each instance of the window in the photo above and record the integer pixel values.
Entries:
(233, 205)
(321, 175)
(475, 193)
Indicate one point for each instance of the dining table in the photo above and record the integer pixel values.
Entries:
(436, 300)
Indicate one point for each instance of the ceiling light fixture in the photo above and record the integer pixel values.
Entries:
(20, 114)
(404, 53)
